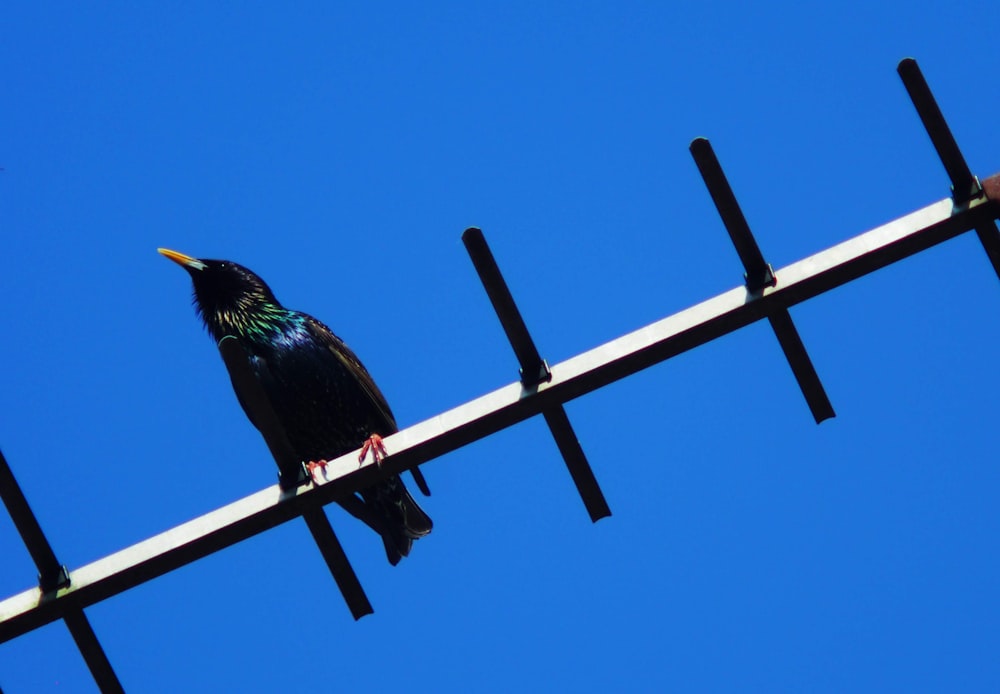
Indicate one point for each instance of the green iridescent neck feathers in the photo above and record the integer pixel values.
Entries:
(232, 300)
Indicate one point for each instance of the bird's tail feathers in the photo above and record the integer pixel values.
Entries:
(402, 519)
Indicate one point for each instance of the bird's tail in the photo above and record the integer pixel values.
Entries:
(401, 519)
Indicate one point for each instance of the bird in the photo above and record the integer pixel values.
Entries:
(321, 393)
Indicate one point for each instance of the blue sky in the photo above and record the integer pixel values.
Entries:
(340, 152)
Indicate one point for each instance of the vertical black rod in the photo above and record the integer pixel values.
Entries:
(533, 369)
(802, 366)
(759, 274)
(990, 238)
(337, 562)
(51, 573)
(93, 654)
(964, 185)
(576, 461)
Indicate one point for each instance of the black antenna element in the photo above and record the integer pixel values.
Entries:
(52, 577)
(759, 276)
(534, 372)
(964, 185)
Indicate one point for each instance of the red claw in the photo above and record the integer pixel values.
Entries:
(374, 444)
(312, 465)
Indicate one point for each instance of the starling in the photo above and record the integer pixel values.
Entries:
(323, 396)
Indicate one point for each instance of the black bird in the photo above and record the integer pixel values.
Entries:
(323, 396)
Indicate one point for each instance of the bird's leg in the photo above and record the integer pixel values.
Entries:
(374, 444)
(312, 465)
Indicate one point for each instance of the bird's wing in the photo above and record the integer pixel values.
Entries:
(261, 372)
(351, 362)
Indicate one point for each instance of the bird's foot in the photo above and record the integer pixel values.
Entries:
(312, 465)
(375, 445)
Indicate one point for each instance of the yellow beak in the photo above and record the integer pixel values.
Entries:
(181, 259)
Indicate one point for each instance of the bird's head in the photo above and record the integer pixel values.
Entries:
(230, 299)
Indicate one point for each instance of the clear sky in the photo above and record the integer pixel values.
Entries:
(339, 151)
